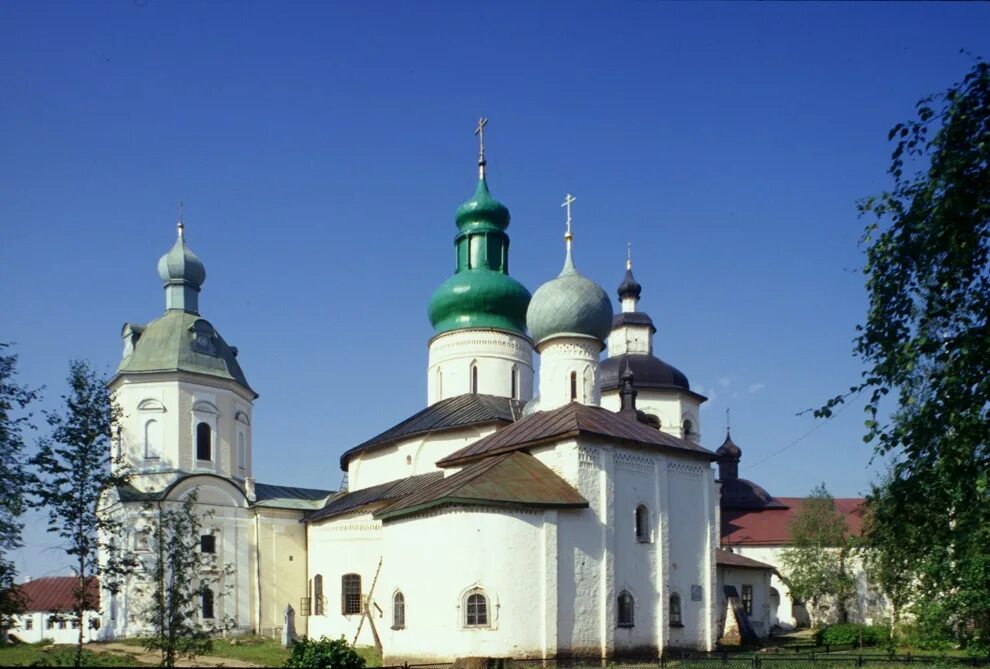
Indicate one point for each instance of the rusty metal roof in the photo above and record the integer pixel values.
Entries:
(382, 492)
(459, 411)
(55, 593)
(569, 421)
(510, 480)
(289, 497)
(724, 558)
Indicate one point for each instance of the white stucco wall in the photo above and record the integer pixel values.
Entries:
(35, 626)
(559, 358)
(502, 554)
(222, 508)
(177, 403)
(671, 407)
(496, 353)
(762, 617)
(408, 457)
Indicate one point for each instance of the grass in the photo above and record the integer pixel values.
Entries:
(49, 655)
(257, 649)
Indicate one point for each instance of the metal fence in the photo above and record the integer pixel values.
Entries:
(777, 658)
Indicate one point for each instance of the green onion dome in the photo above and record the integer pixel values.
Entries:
(569, 305)
(480, 294)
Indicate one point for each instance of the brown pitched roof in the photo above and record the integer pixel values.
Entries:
(727, 559)
(55, 593)
(378, 494)
(568, 421)
(511, 480)
(771, 527)
(453, 412)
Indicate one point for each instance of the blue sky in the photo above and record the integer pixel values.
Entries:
(321, 150)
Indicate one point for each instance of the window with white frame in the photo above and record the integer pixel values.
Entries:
(204, 439)
(476, 610)
(642, 524)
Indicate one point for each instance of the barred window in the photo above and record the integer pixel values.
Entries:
(398, 611)
(476, 610)
(350, 594)
(747, 599)
(625, 610)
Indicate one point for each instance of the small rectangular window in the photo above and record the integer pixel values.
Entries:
(747, 599)
(29, 623)
(207, 596)
(208, 544)
(51, 624)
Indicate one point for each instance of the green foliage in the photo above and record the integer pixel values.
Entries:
(178, 578)
(74, 470)
(814, 567)
(926, 344)
(14, 400)
(843, 634)
(324, 654)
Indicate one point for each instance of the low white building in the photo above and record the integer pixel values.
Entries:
(48, 612)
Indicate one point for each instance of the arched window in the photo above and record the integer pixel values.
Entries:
(476, 610)
(318, 595)
(152, 440)
(439, 384)
(398, 611)
(687, 428)
(515, 383)
(241, 453)
(350, 594)
(674, 610)
(573, 386)
(642, 524)
(624, 611)
(474, 379)
(203, 436)
(206, 596)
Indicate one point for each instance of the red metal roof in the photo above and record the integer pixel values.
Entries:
(771, 527)
(55, 593)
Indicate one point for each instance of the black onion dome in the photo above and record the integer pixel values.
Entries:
(629, 286)
(728, 450)
(745, 495)
(650, 373)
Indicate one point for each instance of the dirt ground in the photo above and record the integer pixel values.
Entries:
(142, 655)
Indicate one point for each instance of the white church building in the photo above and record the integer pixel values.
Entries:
(566, 512)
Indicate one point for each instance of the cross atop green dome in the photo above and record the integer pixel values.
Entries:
(480, 294)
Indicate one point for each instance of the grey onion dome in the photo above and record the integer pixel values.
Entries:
(728, 451)
(629, 286)
(181, 266)
(569, 305)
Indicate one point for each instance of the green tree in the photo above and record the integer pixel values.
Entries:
(815, 566)
(925, 346)
(180, 576)
(14, 400)
(888, 566)
(324, 653)
(74, 469)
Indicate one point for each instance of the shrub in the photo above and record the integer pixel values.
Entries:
(324, 654)
(850, 634)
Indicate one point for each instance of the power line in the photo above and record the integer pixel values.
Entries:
(817, 427)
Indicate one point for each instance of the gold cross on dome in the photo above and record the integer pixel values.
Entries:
(568, 201)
